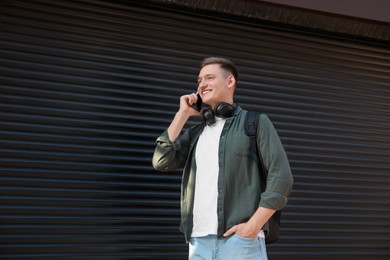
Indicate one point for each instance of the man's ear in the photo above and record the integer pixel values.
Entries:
(231, 81)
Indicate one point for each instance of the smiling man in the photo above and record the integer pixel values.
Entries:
(223, 211)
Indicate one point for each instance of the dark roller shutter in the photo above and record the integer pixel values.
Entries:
(87, 86)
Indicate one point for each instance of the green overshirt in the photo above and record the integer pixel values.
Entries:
(239, 188)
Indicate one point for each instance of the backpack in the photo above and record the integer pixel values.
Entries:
(251, 122)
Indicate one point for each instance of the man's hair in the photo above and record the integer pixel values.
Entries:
(223, 63)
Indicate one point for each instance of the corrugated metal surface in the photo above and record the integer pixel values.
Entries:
(87, 86)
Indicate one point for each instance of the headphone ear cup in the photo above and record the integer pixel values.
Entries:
(208, 116)
(224, 110)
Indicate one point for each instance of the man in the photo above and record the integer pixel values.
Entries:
(223, 211)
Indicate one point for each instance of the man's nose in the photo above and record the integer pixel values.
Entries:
(201, 86)
(202, 83)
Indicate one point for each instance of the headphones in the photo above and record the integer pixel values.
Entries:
(222, 110)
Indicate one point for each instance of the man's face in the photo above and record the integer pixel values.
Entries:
(215, 85)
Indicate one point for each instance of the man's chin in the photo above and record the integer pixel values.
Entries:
(206, 102)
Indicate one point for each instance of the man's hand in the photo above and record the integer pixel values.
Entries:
(251, 228)
(245, 230)
(185, 112)
(186, 103)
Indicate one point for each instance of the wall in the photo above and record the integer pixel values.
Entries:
(86, 87)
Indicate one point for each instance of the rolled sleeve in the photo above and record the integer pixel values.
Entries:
(168, 155)
(164, 142)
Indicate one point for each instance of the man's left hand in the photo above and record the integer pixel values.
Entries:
(245, 230)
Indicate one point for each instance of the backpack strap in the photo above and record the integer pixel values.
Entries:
(251, 122)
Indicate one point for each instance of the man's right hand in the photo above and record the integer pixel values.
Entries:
(186, 103)
(185, 112)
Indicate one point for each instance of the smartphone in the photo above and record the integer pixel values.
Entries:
(199, 104)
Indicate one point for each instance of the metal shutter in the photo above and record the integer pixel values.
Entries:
(87, 86)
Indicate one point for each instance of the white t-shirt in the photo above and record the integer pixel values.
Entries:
(205, 217)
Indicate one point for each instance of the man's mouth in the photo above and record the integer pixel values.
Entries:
(206, 91)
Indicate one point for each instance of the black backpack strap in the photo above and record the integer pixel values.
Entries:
(251, 122)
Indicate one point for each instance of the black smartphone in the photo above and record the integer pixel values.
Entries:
(199, 104)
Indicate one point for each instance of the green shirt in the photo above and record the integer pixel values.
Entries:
(239, 188)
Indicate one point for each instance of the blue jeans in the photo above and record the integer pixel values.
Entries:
(232, 248)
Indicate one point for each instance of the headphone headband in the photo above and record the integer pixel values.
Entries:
(222, 110)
